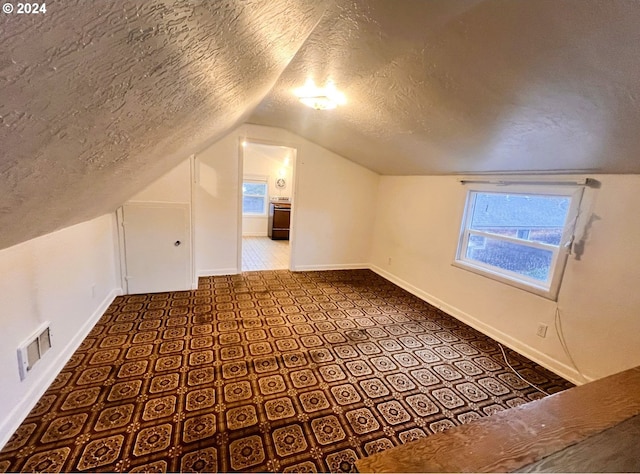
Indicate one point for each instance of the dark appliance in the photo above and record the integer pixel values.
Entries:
(279, 220)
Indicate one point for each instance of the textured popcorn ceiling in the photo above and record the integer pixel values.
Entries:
(99, 98)
(450, 86)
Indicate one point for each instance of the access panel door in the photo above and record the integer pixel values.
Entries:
(157, 247)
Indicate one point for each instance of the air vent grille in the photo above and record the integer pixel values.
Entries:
(33, 349)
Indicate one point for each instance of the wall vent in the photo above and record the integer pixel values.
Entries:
(32, 350)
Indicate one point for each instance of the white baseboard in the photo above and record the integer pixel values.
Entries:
(46, 378)
(255, 234)
(217, 272)
(297, 268)
(337, 266)
(535, 355)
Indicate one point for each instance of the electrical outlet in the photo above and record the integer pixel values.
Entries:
(542, 330)
(389, 261)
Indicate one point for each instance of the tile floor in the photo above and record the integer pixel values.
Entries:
(262, 253)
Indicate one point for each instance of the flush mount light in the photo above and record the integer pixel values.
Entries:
(320, 98)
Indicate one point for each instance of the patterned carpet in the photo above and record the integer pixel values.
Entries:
(266, 371)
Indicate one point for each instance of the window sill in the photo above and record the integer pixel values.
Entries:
(542, 291)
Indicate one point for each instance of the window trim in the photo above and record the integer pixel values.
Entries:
(265, 207)
(560, 253)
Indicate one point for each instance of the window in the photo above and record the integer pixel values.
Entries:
(521, 237)
(254, 197)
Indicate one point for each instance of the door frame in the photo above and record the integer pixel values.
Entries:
(294, 192)
(122, 250)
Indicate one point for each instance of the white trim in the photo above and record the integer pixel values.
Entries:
(507, 277)
(535, 355)
(157, 204)
(217, 272)
(255, 234)
(337, 266)
(536, 181)
(253, 214)
(122, 250)
(512, 240)
(260, 178)
(46, 378)
(242, 143)
(192, 219)
(548, 289)
(293, 239)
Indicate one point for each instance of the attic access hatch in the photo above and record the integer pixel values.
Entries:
(32, 350)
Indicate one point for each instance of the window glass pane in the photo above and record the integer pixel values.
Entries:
(252, 205)
(528, 261)
(528, 217)
(256, 189)
(254, 197)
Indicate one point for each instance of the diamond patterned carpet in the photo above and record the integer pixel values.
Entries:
(266, 371)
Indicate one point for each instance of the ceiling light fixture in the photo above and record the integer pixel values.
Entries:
(320, 98)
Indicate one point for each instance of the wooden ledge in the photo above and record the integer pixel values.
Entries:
(515, 438)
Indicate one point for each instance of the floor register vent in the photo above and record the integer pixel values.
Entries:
(32, 350)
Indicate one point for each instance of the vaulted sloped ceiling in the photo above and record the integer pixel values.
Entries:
(451, 86)
(98, 99)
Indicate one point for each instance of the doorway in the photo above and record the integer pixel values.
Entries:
(267, 192)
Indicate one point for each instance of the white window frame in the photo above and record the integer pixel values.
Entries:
(265, 207)
(551, 287)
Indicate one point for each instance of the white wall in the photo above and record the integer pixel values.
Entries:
(333, 208)
(256, 163)
(174, 186)
(69, 278)
(216, 204)
(417, 226)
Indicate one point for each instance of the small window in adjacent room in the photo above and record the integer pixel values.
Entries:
(520, 236)
(254, 197)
